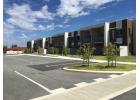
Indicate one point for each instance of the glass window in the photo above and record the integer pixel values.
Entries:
(113, 34)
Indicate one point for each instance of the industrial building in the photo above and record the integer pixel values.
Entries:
(121, 32)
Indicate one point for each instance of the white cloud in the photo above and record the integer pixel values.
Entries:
(69, 7)
(41, 27)
(76, 8)
(53, 26)
(23, 17)
(23, 36)
(8, 29)
(44, 13)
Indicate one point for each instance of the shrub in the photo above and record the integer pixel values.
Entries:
(56, 51)
(53, 50)
(28, 50)
(40, 51)
(4, 48)
(66, 51)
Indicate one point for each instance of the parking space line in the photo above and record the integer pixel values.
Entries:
(81, 84)
(59, 90)
(113, 75)
(43, 87)
(99, 79)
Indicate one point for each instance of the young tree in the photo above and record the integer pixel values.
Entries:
(116, 49)
(56, 50)
(86, 52)
(111, 54)
(53, 50)
(66, 51)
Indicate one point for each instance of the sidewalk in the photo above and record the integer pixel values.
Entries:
(102, 90)
(75, 58)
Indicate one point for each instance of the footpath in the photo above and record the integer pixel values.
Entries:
(101, 90)
(72, 58)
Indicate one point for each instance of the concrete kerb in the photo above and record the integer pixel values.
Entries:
(90, 71)
(74, 88)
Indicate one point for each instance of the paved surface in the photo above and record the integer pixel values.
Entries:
(27, 77)
(130, 95)
(103, 90)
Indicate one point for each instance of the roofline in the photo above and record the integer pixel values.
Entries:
(93, 26)
(121, 20)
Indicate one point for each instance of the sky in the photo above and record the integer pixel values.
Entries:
(25, 20)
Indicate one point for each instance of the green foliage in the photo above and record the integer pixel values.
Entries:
(40, 51)
(28, 50)
(102, 67)
(111, 54)
(66, 51)
(53, 50)
(56, 51)
(86, 52)
(4, 48)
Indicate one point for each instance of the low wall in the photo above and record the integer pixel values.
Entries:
(14, 52)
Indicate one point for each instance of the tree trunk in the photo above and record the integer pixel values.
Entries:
(112, 63)
(108, 62)
(88, 61)
(115, 61)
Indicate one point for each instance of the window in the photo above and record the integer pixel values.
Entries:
(113, 34)
(69, 34)
(118, 33)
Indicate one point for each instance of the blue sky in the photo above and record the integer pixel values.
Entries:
(31, 19)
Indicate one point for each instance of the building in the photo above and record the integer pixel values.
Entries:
(96, 35)
(60, 41)
(74, 41)
(134, 37)
(121, 32)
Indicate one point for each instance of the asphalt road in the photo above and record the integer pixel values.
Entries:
(130, 95)
(27, 77)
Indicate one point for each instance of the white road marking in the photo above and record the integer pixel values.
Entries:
(43, 87)
(81, 84)
(59, 90)
(113, 75)
(99, 79)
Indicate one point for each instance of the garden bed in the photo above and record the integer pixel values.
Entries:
(103, 67)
